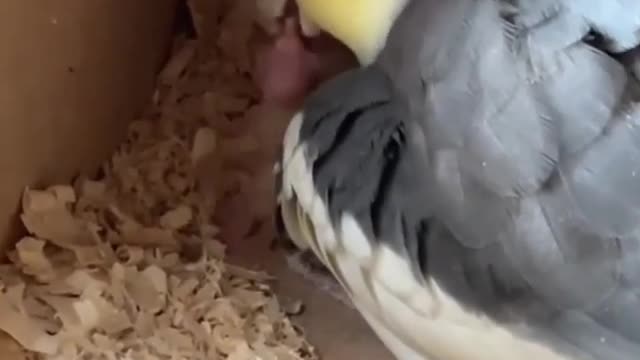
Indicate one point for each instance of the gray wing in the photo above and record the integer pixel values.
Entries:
(534, 144)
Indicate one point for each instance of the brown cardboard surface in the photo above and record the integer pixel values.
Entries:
(74, 72)
(10, 349)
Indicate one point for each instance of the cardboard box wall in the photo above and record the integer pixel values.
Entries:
(73, 74)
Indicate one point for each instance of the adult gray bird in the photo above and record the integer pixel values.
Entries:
(475, 184)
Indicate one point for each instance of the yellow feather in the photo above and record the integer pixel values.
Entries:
(362, 25)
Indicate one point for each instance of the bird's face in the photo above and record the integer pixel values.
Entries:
(362, 25)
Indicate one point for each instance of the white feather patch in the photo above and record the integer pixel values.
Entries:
(454, 334)
(291, 138)
(400, 350)
(394, 271)
(355, 280)
(423, 302)
(353, 239)
(297, 176)
(290, 143)
(324, 229)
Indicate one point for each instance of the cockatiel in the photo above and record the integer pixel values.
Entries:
(475, 184)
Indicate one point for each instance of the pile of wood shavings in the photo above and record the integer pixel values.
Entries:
(128, 266)
(131, 302)
(75, 296)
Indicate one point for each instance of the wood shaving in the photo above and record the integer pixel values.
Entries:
(131, 265)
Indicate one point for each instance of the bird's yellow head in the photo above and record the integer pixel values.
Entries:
(362, 25)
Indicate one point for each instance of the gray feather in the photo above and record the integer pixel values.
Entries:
(496, 145)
